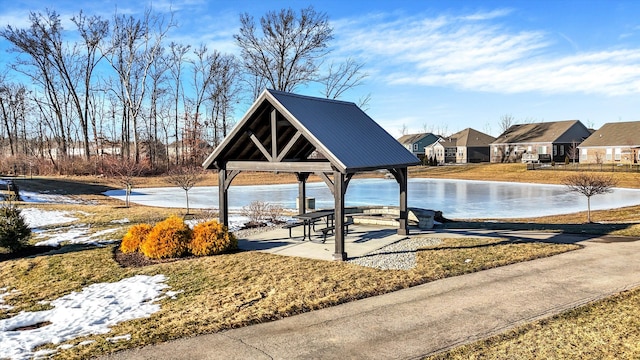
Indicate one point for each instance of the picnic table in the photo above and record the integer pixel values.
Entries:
(309, 220)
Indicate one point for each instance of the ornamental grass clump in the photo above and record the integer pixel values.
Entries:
(211, 238)
(168, 239)
(135, 237)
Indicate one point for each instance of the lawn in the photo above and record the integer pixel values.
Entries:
(233, 290)
(605, 329)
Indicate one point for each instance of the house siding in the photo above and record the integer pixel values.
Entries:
(610, 155)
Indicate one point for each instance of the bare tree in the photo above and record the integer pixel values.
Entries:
(404, 130)
(589, 185)
(125, 172)
(135, 45)
(225, 93)
(205, 69)
(177, 53)
(40, 43)
(11, 95)
(186, 177)
(363, 102)
(288, 51)
(574, 152)
(506, 121)
(342, 77)
(93, 30)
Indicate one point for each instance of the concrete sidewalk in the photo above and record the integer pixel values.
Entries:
(432, 317)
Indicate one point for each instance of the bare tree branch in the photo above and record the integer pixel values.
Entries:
(589, 185)
(288, 51)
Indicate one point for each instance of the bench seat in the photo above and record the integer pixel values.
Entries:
(292, 225)
(328, 229)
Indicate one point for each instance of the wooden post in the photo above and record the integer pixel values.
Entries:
(223, 198)
(403, 229)
(302, 192)
(338, 218)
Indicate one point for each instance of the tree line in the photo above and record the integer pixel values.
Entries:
(116, 92)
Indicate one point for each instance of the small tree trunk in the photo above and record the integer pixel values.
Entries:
(186, 192)
(128, 193)
(588, 209)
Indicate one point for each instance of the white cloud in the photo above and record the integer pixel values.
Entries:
(472, 53)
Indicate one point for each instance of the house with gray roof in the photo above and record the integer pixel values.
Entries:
(617, 142)
(416, 143)
(536, 142)
(465, 146)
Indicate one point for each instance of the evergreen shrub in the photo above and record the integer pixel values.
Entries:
(211, 238)
(135, 237)
(168, 239)
(14, 231)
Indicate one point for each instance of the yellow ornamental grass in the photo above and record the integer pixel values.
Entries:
(211, 238)
(168, 239)
(134, 237)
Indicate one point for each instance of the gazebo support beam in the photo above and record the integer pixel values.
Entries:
(302, 192)
(225, 177)
(401, 176)
(340, 188)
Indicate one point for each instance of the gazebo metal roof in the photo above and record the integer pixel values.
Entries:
(301, 134)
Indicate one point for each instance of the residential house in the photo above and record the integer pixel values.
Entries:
(617, 142)
(466, 146)
(435, 151)
(472, 146)
(538, 142)
(416, 143)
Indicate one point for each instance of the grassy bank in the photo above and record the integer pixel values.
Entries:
(605, 329)
(244, 288)
(232, 290)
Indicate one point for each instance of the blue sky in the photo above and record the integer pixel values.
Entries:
(444, 65)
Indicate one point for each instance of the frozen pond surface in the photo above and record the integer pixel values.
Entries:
(457, 199)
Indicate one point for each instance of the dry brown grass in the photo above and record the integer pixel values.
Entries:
(238, 289)
(513, 173)
(232, 290)
(606, 329)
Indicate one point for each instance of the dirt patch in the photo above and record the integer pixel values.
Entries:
(136, 259)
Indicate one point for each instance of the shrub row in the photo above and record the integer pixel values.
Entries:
(172, 238)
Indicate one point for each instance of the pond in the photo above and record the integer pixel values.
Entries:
(457, 199)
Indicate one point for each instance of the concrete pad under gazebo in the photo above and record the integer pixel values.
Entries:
(361, 241)
(285, 132)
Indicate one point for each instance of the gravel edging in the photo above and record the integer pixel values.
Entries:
(400, 255)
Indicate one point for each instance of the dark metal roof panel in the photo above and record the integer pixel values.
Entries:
(345, 132)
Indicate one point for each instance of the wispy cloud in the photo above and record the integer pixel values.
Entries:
(480, 52)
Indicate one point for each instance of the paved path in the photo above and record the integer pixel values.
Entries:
(429, 318)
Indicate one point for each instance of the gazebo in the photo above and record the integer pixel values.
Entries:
(286, 132)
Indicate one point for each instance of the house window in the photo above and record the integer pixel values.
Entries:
(415, 146)
(561, 150)
(555, 150)
(618, 154)
(609, 155)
